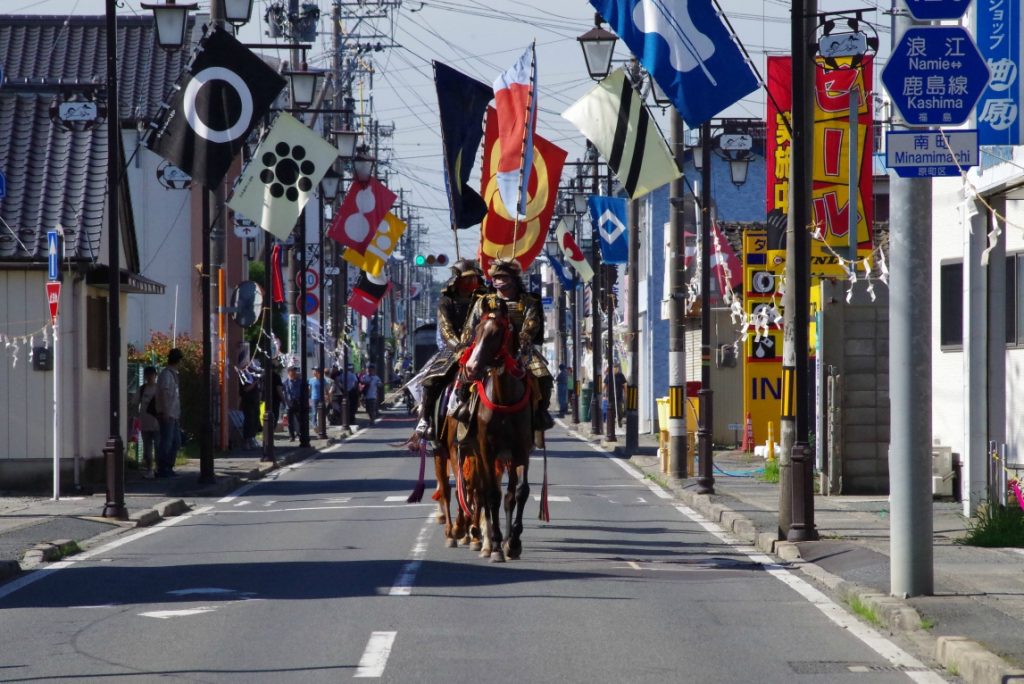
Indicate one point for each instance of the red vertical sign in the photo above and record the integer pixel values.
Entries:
(53, 298)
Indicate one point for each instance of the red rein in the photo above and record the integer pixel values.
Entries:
(510, 365)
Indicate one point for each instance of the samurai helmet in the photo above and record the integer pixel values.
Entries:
(465, 267)
(507, 267)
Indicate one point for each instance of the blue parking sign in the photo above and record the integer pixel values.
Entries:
(3, 185)
(52, 255)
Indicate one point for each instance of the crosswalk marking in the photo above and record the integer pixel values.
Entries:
(375, 657)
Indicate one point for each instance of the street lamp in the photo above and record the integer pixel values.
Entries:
(598, 46)
(302, 86)
(362, 165)
(236, 12)
(345, 141)
(113, 450)
(171, 21)
(735, 147)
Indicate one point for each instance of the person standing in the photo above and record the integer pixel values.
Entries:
(352, 388)
(314, 399)
(562, 390)
(149, 423)
(372, 388)
(168, 408)
(293, 398)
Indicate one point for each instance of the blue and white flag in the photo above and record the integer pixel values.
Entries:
(608, 216)
(688, 50)
(568, 283)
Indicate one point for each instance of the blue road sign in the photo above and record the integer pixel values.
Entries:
(3, 185)
(926, 154)
(52, 255)
(937, 9)
(935, 75)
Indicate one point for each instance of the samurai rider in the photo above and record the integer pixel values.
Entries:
(527, 318)
(457, 297)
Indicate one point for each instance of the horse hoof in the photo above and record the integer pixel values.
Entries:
(497, 557)
(439, 517)
(476, 546)
(450, 543)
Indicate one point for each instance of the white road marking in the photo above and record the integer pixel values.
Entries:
(375, 657)
(184, 612)
(271, 476)
(323, 508)
(38, 574)
(270, 503)
(553, 499)
(836, 613)
(641, 499)
(407, 575)
(243, 503)
(393, 499)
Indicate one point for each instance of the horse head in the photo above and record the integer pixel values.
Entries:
(490, 338)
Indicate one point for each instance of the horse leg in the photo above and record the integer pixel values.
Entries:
(444, 487)
(493, 495)
(515, 501)
(475, 531)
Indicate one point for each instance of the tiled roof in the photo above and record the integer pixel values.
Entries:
(55, 176)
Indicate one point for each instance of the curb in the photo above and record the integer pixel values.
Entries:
(48, 552)
(969, 659)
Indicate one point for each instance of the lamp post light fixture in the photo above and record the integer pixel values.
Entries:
(362, 165)
(236, 12)
(598, 46)
(330, 184)
(735, 147)
(302, 86)
(171, 21)
(579, 202)
(345, 140)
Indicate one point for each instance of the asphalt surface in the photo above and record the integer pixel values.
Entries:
(322, 572)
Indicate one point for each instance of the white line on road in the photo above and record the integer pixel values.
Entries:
(183, 612)
(407, 575)
(553, 499)
(36, 575)
(918, 671)
(324, 508)
(243, 503)
(375, 657)
(394, 499)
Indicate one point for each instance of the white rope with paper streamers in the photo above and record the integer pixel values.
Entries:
(13, 343)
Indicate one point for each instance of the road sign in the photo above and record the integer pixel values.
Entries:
(52, 256)
(923, 154)
(312, 279)
(331, 270)
(929, 10)
(935, 75)
(53, 299)
(312, 303)
(3, 185)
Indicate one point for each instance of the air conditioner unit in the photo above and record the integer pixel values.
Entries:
(942, 471)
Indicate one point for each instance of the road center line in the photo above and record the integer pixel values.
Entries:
(407, 575)
(375, 657)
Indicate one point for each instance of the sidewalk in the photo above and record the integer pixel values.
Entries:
(30, 524)
(973, 625)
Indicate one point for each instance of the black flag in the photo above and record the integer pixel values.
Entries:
(462, 103)
(217, 102)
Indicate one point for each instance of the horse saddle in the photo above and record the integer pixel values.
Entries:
(463, 429)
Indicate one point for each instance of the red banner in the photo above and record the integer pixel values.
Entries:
(831, 145)
(499, 237)
(360, 213)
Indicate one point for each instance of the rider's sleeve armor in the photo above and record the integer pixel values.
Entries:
(450, 316)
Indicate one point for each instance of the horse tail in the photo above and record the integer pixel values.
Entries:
(417, 492)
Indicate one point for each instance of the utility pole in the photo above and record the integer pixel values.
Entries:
(595, 308)
(677, 313)
(705, 431)
(911, 568)
(795, 373)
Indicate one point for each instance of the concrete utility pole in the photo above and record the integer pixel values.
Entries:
(677, 314)
(595, 308)
(795, 373)
(705, 431)
(633, 332)
(911, 571)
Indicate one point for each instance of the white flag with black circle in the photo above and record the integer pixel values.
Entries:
(219, 99)
(277, 183)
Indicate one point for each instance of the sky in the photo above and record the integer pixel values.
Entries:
(483, 38)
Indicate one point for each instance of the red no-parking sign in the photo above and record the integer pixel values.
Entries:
(53, 299)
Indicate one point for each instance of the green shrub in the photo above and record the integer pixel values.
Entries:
(771, 471)
(996, 526)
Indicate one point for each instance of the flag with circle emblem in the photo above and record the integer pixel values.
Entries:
(360, 214)
(383, 243)
(275, 186)
(217, 102)
(572, 253)
(501, 237)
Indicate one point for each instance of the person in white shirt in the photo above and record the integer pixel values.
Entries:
(372, 386)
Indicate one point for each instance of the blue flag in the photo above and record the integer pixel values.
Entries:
(687, 49)
(559, 268)
(608, 216)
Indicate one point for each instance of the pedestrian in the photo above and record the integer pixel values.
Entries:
(168, 408)
(620, 395)
(293, 398)
(249, 375)
(352, 388)
(277, 394)
(372, 388)
(570, 385)
(314, 399)
(149, 423)
(562, 390)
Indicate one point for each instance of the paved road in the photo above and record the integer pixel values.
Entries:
(322, 573)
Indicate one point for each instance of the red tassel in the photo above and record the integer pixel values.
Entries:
(417, 492)
(545, 513)
(276, 279)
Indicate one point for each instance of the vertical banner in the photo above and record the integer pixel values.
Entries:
(830, 174)
(762, 373)
(997, 33)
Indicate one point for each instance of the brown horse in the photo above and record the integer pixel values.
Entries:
(503, 424)
(449, 454)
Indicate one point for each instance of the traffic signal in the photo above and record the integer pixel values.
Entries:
(431, 260)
